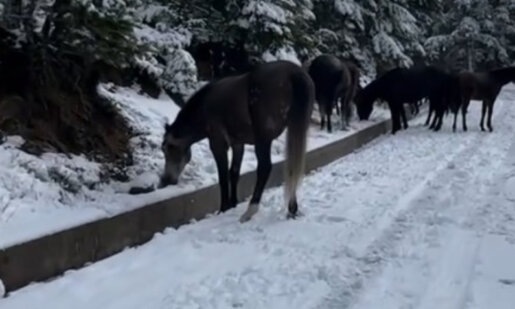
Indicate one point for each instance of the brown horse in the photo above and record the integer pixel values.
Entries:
(334, 79)
(483, 86)
(253, 108)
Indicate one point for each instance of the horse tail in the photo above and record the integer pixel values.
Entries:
(355, 80)
(303, 93)
(354, 76)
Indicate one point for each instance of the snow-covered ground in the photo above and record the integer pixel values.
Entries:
(415, 220)
(42, 195)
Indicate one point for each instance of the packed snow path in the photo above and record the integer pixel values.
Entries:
(415, 220)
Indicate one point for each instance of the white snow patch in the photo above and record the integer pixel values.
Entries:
(509, 189)
(2, 289)
(283, 53)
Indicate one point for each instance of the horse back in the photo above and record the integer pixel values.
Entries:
(227, 112)
(271, 94)
(330, 76)
(477, 86)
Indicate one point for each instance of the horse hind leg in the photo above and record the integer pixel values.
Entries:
(329, 111)
(403, 116)
(429, 115)
(237, 157)
(455, 120)
(321, 111)
(490, 112)
(263, 172)
(394, 111)
(483, 113)
(413, 109)
(464, 108)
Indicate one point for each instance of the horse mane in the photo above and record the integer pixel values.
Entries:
(503, 75)
(191, 114)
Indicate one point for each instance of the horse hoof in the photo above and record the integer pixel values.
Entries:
(294, 216)
(249, 213)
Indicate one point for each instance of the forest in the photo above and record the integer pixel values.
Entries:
(54, 53)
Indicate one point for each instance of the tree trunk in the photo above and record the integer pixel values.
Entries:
(470, 66)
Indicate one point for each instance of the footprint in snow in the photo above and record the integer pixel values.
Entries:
(507, 281)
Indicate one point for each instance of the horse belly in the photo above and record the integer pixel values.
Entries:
(239, 129)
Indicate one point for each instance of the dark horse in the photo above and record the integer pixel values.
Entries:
(399, 86)
(334, 79)
(483, 86)
(252, 108)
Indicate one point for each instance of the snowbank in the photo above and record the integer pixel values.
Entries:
(43, 195)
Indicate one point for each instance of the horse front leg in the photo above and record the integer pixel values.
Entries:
(455, 120)
(263, 172)
(394, 111)
(403, 115)
(219, 149)
(237, 157)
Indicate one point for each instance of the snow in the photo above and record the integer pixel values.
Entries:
(271, 16)
(415, 220)
(2, 289)
(283, 53)
(47, 194)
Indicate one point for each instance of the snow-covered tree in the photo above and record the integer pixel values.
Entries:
(467, 36)
(275, 29)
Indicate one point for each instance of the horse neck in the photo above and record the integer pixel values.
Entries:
(503, 76)
(371, 91)
(191, 124)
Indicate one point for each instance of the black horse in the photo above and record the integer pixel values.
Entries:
(334, 80)
(483, 86)
(400, 85)
(252, 108)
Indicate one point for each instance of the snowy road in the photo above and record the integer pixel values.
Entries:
(415, 220)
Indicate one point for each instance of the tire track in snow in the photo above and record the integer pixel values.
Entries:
(417, 208)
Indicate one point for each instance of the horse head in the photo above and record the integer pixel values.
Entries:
(177, 153)
(364, 104)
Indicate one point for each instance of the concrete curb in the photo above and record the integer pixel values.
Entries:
(52, 255)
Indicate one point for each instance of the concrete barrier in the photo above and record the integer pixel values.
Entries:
(52, 255)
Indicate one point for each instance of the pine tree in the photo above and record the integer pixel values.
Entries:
(274, 29)
(394, 32)
(466, 36)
